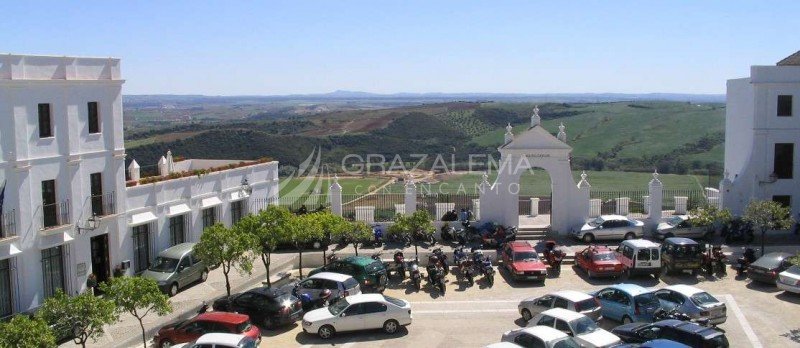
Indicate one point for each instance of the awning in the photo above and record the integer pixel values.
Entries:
(210, 202)
(238, 196)
(142, 218)
(178, 209)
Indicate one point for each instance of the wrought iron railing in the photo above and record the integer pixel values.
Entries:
(104, 204)
(55, 214)
(8, 224)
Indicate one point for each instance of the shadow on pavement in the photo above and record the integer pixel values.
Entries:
(277, 331)
(763, 287)
(788, 297)
(517, 284)
(347, 337)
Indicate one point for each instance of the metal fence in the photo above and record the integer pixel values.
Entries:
(697, 198)
(460, 201)
(385, 205)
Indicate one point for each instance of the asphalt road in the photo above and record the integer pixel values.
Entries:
(758, 316)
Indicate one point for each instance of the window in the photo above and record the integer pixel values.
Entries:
(784, 160)
(546, 301)
(141, 248)
(209, 217)
(49, 207)
(96, 183)
(373, 307)
(5, 288)
(236, 211)
(784, 105)
(785, 201)
(529, 341)
(53, 270)
(561, 303)
(546, 320)
(185, 263)
(177, 230)
(627, 252)
(94, 118)
(643, 255)
(353, 310)
(45, 122)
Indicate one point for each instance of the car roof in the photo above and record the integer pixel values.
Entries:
(337, 277)
(223, 317)
(599, 248)
(613, 217)
(503, 345)
(177, 251)
(632, 289)
(220, 338)
(565, 314)
(640, 243)
(546, 333)
(268, 292)
(684, 289)
(572, 295)
(358, 260)
(521, 245)
(681, 241)
(361, 298)
(687, 327)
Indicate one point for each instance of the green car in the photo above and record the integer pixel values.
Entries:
(176, 267)
(371, 274)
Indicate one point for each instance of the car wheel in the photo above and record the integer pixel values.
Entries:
(630, 235)
(626, 320)
(326, 332)
(165, 344)
(173, 289)
(588, 238)
(664, 271)
(204, 275)
(391, 326)
(526, 315)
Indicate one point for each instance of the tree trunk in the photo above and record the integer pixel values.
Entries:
(225, 271)
(325, 256)
(266, 258)
(416, 252)
(355, 246)
(144, 337)
(301, 263)
(763, 233)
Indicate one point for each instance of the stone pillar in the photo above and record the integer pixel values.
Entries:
(681, 203)
(411, 196)
(656, 202)
(585, 189)
(509, 136)
(595, 204)
(622, 205)
(534, 206)
(646, 200)
(476, 209)
(134, 171)
(712, 197)
(724, 188)
(162, 166)
(335, 197)
(170, 162)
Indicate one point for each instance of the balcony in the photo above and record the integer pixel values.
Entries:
(56, 214)
(104, 204)
(8, 227)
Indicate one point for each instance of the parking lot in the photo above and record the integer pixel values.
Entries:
(758, 315)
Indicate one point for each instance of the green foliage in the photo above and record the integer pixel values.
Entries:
(138, 297)
(358, 232)
(229, 248)
(334, 227)
(82, 316)
(419, 221)
(708, 215)
(303, 230)
(269, 229)
(24, 331)
(768, 215)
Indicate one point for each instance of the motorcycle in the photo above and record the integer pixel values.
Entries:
(500, 236)
(416, 277)
(310, 304)
(436, 278)
(402, 239)
(553, 256)
(662, 314)
(714, 261)
(748, 257)
(448, 233)
(422, 237)
(442, 258)
(487, 270)
(377, 235)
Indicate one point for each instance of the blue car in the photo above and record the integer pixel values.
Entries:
(627, 303)
(660, 343)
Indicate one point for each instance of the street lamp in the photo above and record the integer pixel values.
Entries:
(91, 224)
(246, 187)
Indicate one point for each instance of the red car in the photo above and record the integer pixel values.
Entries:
(522, 261)
(191, 329)
(599, 261)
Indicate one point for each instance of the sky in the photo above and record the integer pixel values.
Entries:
(294, 47)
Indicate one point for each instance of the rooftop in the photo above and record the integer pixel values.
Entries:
(792, 60)
(58, 68)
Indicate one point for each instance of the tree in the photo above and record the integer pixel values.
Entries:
(709, 215)
(768, 215)
(26, 331)
(229, 248)
(358, 232)
(269, 229)
(418, 223)
(303, 230)
(333, 227)
(138, 297)
(81, 317)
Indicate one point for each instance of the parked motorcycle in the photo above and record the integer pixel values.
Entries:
(448, 233)
(436, 277)
(553, 256)
(714, 261)
(402, 239)
(442, 257)
(748, 257)
(664, 314)
(377, 235)
(416, 277)
(422, 237)
(498, 237)
(310, 304)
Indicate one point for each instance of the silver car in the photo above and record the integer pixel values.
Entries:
(681, 226)
(339, 285)
(694, 302)
(175, 268)
(572, 300)
(607, 227)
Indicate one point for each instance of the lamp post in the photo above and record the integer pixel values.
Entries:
(91, 224)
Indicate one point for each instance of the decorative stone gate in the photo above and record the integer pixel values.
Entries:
(535, 148)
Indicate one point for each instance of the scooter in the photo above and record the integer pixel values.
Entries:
(714, 261)
(748, 257)
(448, 233)
(553, 256)
(310, 304)
(442, 258)
(436, 278)
(416, 277)
(377, 235)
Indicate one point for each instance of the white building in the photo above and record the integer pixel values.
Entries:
(762, 128)
(67, 211)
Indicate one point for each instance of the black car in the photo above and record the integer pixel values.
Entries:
(266, 306)
(767, 267)
(681, 254)
(684, 332)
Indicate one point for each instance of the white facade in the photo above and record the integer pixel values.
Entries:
(41, 240)
(755, 130)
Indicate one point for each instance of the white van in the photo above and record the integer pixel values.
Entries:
(640, 256)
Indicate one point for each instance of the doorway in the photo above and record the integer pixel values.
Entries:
(100, 266)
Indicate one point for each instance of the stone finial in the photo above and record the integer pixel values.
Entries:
(484, 182)
(170, 162)
(535, 119)
(335, 185)
(509, 134)
(584, 183)
(562, 135)
(163, 170)
(134, 171)
(583, 175)
(655, 180)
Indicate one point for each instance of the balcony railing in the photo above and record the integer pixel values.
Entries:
(104, 204)
(8, 224)
(55, 214)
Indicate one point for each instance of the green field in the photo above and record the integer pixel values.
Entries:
(300, 186)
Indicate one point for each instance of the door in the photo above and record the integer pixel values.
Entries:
(374, 315)
(49, 209)
(611, 302)
(100, 266)
(96, 183)
(185, 275)
(312, 287)
(542, 304)
(352, 319)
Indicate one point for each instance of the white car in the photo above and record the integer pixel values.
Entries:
(693, 302)
(681, 226)
(607, 227)
(359, 312)
(503, 345)
(539, 336)
(220, 340)
(577, 301)
(339, 284)
(789, 280)
(582, 328)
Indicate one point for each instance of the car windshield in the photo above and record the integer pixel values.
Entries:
(596, 222)
(164, 264)
(247, 342)
(794, 270)
(584, 325)
(609, 256)
(586, 305)
(395, 301)
(566, 342)
(675, 221)
(703, 298)
(647, 299)
(769, 261)
(337, 307)
(687, 250)
(244, 327)
(376, 266)
(525, 256)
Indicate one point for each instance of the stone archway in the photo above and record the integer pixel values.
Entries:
(535, 148)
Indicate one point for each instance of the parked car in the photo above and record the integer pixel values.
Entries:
(693, 302)
(359, 312)
(567, 299)
(658, 343)
(679, 331)
(538, 336)
(639, 256)
(609, 227)
(522, 261)
(789, 280)
(627, 303)
(680, 254)
(582, 328)
(266, 306)
(339, 284)
(371, 274)
(504, 345)
(221, 340)
(599, 261)
(767, 267)
(221, 322)
(176, 267)
(682, 226)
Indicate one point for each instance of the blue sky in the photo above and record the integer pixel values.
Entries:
(285, 47)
